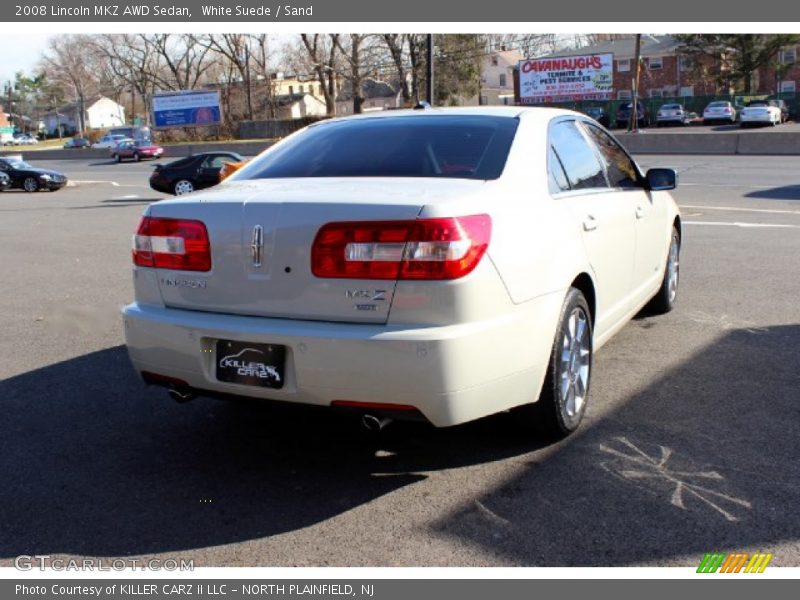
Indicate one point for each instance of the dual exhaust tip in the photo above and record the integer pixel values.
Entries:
(373, 423)
(369, 422)
(181, 396)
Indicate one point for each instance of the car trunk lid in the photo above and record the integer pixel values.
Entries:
(261, 235)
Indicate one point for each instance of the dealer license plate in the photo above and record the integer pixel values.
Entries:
(245, 363)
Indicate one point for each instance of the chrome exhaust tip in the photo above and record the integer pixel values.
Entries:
(373, 423)
(181, 396)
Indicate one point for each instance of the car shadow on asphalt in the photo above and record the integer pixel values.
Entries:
(103, 163)
(726, 127)
(96, 463)
(132, 200)
(118, 203)
(681, 468)
(784, 192)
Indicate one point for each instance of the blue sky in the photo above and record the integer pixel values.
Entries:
(20, 53)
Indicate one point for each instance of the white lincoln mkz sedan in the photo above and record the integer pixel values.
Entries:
(443, 264)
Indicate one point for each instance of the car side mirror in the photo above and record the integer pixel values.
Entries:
(659, 180)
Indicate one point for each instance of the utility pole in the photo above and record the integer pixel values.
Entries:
(429, 83)
(10, 108)
(133, 100)
(633, 123)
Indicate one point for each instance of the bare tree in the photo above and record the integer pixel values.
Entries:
(262, 60)
(360, 54)
(134, 59)
(322, 56)
(235, 48)
(395, 43)
(185, 59)
(529, 45)
(66, 65)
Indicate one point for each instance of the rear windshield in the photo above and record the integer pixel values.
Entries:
(468, 147)
(672, 107)
(718, 104)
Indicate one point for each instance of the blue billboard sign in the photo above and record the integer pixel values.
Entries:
(186, 109)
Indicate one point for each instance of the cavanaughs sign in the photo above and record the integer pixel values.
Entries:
(567, 78)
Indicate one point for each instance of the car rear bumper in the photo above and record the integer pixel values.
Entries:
(756, 118)
(160, 186)
(451, 374)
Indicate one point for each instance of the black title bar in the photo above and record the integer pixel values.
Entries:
(443, 11)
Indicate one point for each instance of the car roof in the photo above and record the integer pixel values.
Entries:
(212, 153)
(527, 112)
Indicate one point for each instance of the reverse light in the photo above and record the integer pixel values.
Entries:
(433, 249)
(178, 244)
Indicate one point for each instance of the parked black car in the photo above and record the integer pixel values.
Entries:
(624, 115)
(5, 181)
(77, 142)
(29, 178)
(599, 114)
(192, 173)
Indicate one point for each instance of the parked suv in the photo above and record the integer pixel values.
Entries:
(624, 115)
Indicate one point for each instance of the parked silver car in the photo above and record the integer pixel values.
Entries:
(672, 114)
(720, 111)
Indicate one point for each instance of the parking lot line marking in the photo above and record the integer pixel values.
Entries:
(739, 224)
(774, 211)
(87, 181)
(726, 185)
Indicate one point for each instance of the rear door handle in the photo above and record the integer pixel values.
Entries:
(639, 212)
(589, 223)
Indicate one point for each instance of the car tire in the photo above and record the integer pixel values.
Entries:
(565, 392)
(136, 157)
(664, 300)
(30, 184)
(116, 158)
(183, 186)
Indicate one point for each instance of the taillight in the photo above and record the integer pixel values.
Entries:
(177, 244)
(443, 248)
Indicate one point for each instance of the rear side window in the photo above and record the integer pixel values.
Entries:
(184, 162)
(620, 169)
(579, 159)
(557, 179)
(469, 147)
(216, 162)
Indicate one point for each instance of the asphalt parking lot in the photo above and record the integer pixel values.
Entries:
(689, 445)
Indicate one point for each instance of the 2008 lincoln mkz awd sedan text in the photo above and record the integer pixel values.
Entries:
(437, 263)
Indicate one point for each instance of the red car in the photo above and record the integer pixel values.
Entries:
(136, 150)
